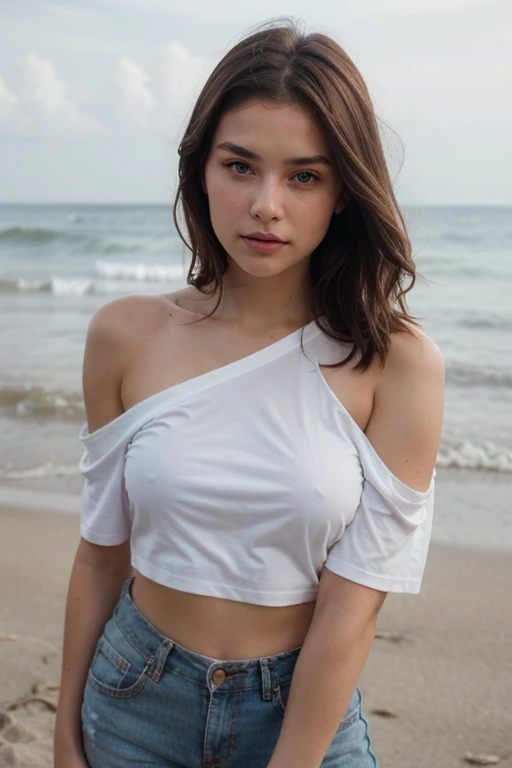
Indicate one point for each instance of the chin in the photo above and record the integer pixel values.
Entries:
(263, 266)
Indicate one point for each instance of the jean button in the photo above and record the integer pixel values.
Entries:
(219, 676)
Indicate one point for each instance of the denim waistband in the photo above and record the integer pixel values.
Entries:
(161, 650)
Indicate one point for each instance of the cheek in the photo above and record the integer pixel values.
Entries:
(315, 216)
(223, 198)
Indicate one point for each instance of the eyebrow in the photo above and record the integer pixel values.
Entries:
(249, 155)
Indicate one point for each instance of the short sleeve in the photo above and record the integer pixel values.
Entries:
(386, 544)
(106, 516)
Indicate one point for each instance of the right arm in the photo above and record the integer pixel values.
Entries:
(98, 572)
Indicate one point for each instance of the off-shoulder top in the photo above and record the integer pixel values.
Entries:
(245, 481)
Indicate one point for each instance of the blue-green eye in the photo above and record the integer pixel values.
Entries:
(307, 173)
(312, 176)
(238, 162)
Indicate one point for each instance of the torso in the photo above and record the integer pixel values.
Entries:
(167, 350)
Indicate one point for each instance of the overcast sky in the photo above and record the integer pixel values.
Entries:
(94, 94)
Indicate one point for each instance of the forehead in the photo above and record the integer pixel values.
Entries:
(270, 127)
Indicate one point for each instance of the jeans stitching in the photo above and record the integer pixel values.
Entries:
(112, 654)
(118, 693)
(232, 736)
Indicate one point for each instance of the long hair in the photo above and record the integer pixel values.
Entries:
(359, 269)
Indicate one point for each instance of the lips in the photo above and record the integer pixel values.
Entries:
(263, 246)
(264, 237)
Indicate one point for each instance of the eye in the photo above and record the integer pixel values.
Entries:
(237, 162)
(312, 176)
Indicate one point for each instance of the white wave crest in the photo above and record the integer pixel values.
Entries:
(58, 286)
(467, 455)
(151, 272)
(69, 287)
(48, 469)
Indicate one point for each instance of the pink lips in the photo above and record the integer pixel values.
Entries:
(264, 236)
(263, 246)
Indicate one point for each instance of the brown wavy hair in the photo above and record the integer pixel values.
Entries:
(358, 270)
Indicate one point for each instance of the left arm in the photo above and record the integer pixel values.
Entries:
(404, 429)
(327, 670)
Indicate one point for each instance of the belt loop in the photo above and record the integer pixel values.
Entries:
(266, 680)
(157, 662)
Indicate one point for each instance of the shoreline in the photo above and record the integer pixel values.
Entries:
(446, 675)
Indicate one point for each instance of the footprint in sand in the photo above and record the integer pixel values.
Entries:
(13, 732)
(26, 738)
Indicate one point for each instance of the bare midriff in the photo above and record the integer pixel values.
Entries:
(219, 628)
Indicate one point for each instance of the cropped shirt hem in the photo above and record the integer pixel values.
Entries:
(225, 590)
(374, 580)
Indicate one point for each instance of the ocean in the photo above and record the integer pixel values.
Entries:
(59, 263)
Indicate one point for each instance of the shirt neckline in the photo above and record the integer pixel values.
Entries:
(196, 383)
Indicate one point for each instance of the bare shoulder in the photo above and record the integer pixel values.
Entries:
(416, 352)
(406, 422)
(116, 326)
(114, 335)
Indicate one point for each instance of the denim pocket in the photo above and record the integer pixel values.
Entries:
(112, 674)
(352, 714)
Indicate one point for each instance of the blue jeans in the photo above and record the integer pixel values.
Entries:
(149, 701)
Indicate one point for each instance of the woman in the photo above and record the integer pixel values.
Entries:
(255, 481)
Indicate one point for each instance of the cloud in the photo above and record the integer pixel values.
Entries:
(38, 104)
(7, 99)
(134, 101)
(9, 117)
(151, 101)
(178, 78)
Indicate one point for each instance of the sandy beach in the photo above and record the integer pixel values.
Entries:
(440, 670)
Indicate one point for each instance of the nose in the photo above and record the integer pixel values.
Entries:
(267, 203)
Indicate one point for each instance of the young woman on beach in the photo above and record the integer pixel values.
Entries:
(259, 446)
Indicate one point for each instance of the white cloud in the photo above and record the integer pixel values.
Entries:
(178, 78)
(42, 85)
(39, 104)
(132, 100)
(176, 72)
(136, 102)
(7, 99)
(151, 100)
(8, 109)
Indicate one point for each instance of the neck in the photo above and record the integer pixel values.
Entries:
(263, 303)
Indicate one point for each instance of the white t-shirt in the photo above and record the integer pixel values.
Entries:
(243, 482)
